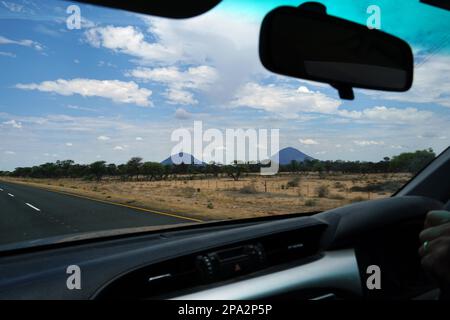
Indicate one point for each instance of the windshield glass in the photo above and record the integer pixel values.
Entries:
(113, 120)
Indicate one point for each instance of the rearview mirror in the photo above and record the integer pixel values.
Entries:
(304, 42)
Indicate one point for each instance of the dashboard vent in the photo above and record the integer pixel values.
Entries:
(154, 280)
(292, 245)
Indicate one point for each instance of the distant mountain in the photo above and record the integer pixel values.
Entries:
(289, 154)
(285, 156)
(185, 158)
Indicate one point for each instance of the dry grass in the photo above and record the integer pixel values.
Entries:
(227, 199)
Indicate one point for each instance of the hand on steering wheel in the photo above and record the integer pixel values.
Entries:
(435, 249)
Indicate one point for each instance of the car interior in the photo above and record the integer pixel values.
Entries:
(323, 256)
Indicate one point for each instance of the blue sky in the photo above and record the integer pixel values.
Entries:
(119, 86)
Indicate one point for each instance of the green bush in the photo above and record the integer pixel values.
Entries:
(339, 185)
(385, 186)
(248, 189)
(336, 197)
(294, 182)
(89, 177)
(322, 191)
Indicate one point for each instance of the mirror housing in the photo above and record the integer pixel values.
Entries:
(175, 9)
(304, 42)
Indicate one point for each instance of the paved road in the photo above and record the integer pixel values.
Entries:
(32, 213)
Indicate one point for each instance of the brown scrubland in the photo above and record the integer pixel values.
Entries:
(223, 198)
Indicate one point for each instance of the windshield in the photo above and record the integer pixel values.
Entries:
(112, 120)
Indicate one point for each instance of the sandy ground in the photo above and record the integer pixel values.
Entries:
(214, 198)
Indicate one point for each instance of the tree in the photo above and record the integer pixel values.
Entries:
(318, 166)
(294, 166)
(63, 167)
(98, 169)
(133, 167)
(21, 172)
(111, 169)
(78, 170)
(235, 170)
(412, 161)
(153, 170)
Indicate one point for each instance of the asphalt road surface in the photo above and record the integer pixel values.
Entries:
(28, 213)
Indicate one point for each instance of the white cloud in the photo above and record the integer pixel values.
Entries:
(74, 107)
(25, 43)
(7, 54)
(46, 132)
(431, 135)
(427, 135)
(139, 138)
(8, 152)
(119, 148)
(308, 141)
(190, 40)
(13, 123)
(289, 102)
(182, 114)
(103, 138)
(86, 23)
(285, 100)
(228, 43)
(117, 91)
(53, 155)
(385, 114)
(102, 63)
(13, 7)
(198, 78)
(69, 144)
(178, 96)
(130, 40)
(431, 84)
(365, 143)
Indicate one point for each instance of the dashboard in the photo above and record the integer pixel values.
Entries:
(320, 257)
(333, 275)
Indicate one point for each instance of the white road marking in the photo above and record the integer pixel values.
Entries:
(1, 189)
(11, 195)
(31, 206)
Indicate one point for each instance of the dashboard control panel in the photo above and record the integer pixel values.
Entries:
(231, 262)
